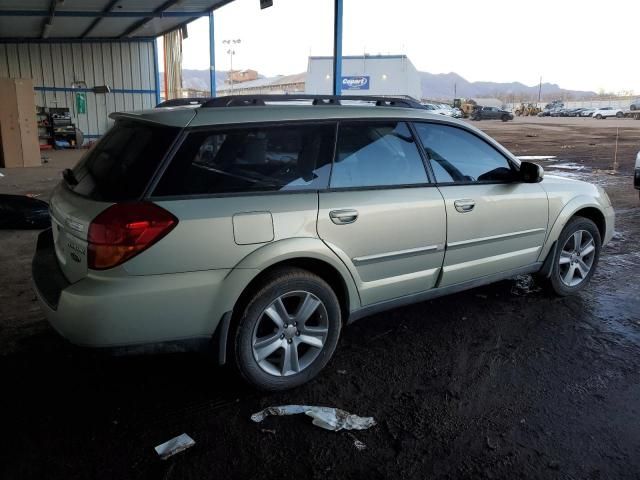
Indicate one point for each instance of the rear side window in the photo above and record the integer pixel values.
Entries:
(458, 156)
(376, 154)
(271, 158)
(121, 164)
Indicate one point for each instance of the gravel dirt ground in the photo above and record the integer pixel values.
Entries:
(501, 381)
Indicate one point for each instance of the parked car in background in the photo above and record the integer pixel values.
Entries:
(605, 112)
(587, 112)
(449, 111)
(491, 113)
(263, 228)
(457, 113)
(551, 111)
(438, 109)
(575, 112)
(635, 105)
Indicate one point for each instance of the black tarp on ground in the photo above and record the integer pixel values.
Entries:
(22, 212)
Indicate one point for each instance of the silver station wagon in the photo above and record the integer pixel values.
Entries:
(260, 226)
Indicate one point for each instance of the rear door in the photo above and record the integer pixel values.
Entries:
(381, 215)
(117, 169)
(495, 223)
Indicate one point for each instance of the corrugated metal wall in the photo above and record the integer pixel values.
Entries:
(129, 68)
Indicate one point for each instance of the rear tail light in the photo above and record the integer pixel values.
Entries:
(124, 230)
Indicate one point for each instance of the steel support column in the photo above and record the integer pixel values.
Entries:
(212, 56)
(337, 47)
(156, 70)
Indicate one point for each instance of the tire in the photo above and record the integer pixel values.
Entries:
(619, 114)
(505, 118)
(557, 281)
(632, 108)
(276, 371)
(599, 117)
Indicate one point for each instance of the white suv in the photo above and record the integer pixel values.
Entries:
(605, 112)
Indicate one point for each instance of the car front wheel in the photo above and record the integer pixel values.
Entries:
(288, 330)
(599, 117)
(619, 114)
(576, 257)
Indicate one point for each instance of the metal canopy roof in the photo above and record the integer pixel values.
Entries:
(55, 20)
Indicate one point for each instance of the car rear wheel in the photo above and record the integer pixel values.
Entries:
(619, 114)
(632, 108)
(576, 257)
(288, 330)
(599, 117)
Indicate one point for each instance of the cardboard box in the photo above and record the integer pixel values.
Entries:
(18, 125)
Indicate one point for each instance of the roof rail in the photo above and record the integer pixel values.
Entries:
(261, 100)
(179, 102)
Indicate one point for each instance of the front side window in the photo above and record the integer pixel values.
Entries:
(272, 158)
(458, 156)
(376, 154)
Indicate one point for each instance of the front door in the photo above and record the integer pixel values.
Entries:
(494, 222)
(381, 216)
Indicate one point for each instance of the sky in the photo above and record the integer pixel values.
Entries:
(578, 44)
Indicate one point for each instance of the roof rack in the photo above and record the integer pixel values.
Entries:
(180, 102)
(261, 100)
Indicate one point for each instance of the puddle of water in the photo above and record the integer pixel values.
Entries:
(562, 173)
(567, 166)
(537, 157)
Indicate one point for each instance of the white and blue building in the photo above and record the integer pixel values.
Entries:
(377, 75)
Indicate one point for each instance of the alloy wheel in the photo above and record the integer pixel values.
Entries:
(290, 333)
(576, 258)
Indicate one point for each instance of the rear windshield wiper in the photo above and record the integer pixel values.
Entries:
(69, 177)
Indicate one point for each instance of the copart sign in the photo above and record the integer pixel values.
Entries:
(355, 83)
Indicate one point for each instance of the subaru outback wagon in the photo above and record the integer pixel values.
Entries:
(262, 226)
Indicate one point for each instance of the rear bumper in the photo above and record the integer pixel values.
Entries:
(112, 309)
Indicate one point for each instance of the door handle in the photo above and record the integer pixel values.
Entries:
(464, 206)
(343, 217)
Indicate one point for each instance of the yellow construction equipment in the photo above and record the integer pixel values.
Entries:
(527, 110)
(466, 105)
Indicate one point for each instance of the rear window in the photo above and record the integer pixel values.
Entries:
(244, 160)
(121, 164)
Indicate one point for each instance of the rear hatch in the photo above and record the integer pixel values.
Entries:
(117, 169)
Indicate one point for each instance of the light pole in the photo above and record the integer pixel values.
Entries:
(231, 51)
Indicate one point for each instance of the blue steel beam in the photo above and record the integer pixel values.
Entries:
(140, 23)
(337, 47)
(212, 56)
(101, 14)
(93, 25)
(156, 69)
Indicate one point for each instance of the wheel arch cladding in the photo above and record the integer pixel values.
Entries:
(596, 216)
(323, 269)
(583, 206)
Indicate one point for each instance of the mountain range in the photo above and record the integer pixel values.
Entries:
(436, 86)
(441, 86)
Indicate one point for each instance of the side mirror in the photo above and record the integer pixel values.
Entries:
(531, 172)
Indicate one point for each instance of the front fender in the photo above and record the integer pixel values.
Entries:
(567, 212)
